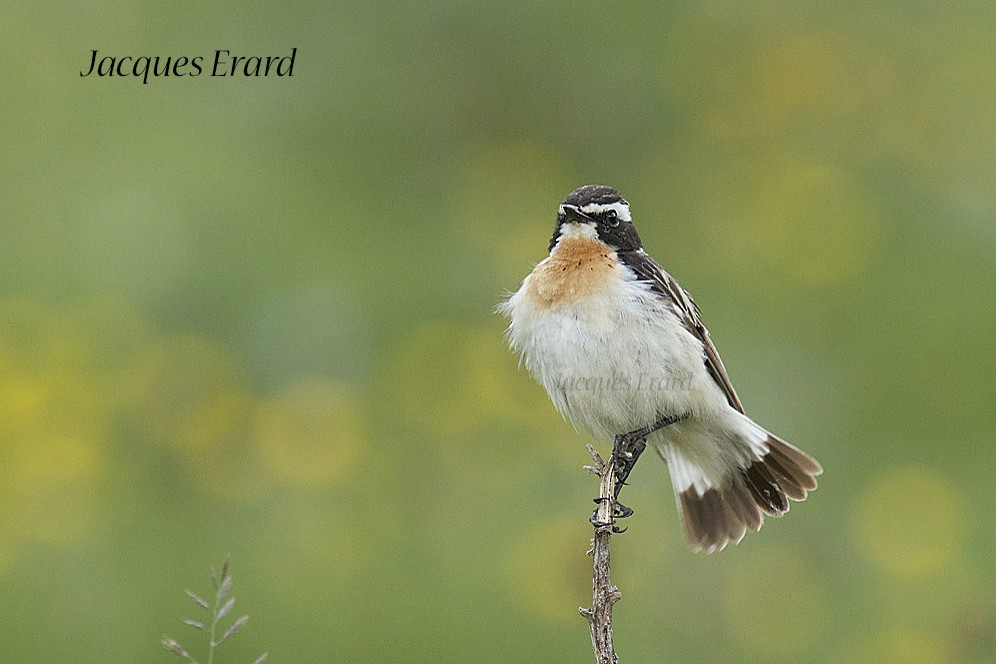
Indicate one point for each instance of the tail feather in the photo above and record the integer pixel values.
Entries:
(746, 510)
(762, 483)
(803, 468)
(720, 507)
(795, 480)
(709, 518)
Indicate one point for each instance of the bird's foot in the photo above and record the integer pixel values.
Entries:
(619, 511)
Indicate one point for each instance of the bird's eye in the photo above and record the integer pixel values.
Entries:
(612, 218)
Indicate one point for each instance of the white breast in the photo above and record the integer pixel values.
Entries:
(612, 359)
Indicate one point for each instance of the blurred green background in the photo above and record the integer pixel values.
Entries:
(255, 317)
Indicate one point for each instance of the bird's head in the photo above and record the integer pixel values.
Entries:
(597, 211)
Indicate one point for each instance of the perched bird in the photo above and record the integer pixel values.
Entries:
(620, 348)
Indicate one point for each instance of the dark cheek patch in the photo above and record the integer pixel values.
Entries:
(623, 237)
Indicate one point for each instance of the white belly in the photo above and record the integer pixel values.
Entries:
(612, 361)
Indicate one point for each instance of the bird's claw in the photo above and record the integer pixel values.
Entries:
(619, 511)
(622, 512)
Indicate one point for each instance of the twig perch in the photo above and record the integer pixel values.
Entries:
(604, 595)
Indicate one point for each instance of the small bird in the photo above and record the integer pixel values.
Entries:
(620, 348)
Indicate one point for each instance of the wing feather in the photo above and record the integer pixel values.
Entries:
(663, 284)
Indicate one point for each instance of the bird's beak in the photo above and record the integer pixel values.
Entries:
(574, 213)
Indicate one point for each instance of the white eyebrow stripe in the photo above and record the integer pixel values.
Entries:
(621, 208)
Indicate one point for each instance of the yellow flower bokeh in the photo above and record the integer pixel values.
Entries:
(188, 393)
(810, 220)
(310, 433)
(56, 416)
(910, 521)
(462, 386)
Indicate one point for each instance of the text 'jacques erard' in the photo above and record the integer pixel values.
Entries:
(223, 63)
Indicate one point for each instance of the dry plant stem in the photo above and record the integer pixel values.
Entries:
(604, 594)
